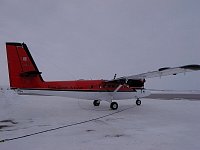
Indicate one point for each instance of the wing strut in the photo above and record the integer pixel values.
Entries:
(117, 89)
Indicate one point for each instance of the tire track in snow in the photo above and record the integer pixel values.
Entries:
(65, 126)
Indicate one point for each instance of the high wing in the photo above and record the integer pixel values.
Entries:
(161, 72)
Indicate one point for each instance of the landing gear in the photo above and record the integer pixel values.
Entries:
(113, 105)
(138, 102)
(96, 102)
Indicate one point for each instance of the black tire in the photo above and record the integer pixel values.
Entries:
(96, 102)
(138, 102)
(114, 105)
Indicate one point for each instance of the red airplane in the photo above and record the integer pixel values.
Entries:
(25, 78)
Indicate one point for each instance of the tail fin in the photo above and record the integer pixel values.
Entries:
(23, 72)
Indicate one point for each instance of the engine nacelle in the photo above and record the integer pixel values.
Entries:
(136, 83)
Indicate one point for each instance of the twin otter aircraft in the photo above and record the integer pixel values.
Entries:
(25, 78)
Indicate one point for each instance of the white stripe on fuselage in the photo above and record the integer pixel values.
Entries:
(87, 95)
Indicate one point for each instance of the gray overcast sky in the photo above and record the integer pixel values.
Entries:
(94, 39)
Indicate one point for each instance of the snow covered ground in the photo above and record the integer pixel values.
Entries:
(155, 125)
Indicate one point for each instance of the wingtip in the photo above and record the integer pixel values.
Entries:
(191, 67)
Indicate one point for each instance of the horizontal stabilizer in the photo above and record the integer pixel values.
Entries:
(30, 74)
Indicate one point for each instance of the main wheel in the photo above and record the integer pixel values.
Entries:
(96, 102)
(138, 102)
(114, 105)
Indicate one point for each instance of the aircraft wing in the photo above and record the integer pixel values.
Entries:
(161, 72)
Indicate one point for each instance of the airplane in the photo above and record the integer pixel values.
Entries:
(26, 79)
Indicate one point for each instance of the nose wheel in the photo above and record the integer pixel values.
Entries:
(138, 102)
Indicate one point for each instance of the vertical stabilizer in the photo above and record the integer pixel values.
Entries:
(23, 72)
